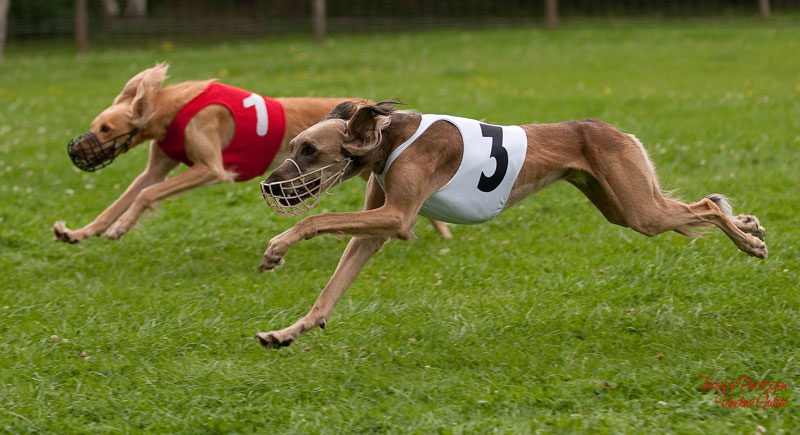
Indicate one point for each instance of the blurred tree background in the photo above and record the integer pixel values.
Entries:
(200, 18)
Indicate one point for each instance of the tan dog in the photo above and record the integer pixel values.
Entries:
(144, 111)
(610, 167)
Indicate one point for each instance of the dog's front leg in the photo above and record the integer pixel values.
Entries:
(355, 256)
(196, 176)
(158, 166)
(391, 218)
(385, 222)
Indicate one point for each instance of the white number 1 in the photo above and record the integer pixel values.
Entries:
(261, 112)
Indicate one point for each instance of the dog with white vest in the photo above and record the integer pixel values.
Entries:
(466, 171)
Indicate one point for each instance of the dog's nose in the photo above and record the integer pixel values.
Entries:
(274, 189)
(279, 174)
(272, 178)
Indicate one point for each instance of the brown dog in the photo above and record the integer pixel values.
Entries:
(434, 175)
(144, 111)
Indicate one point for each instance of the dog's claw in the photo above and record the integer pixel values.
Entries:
(114, 233)
(63, 234)
(270, 263)
(753, 243)
(269, 340)
(750, 225)
(755, 247)
(273, 257)
(759, 251)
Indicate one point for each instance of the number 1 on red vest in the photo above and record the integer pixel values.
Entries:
(261, 112)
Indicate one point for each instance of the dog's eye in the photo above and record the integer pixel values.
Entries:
(104, 128)
(308, 150)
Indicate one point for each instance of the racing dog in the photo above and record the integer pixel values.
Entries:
(465, 171)
(223, 133)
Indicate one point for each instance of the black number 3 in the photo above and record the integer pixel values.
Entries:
(486, 183)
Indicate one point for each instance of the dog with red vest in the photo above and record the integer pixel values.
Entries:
(221, 132)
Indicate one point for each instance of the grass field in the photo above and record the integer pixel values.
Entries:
(547, 319)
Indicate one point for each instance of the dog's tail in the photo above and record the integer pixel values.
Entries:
(722, 202)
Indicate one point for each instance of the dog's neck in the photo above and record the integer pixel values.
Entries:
(402, 126)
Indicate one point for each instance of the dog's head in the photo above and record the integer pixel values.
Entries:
(336, 148)
(120, 126)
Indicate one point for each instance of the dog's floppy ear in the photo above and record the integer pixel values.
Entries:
(344, 110)
(365, 127)
(158, 73)
(150, 83)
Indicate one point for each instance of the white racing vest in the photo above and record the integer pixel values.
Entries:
(492, 158)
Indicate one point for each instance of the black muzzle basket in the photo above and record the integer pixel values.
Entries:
(89, 154)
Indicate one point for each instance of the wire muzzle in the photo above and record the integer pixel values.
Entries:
(302, 193)
(89, 154)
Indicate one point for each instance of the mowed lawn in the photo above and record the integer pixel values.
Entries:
(546, 319)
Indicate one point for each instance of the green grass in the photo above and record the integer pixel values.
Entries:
(546, 319)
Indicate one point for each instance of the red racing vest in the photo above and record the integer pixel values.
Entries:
(260, 126)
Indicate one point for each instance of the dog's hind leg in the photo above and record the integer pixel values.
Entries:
(355, 256)
(441, 228)
(632, 192)
(594, 191)
(747, 223)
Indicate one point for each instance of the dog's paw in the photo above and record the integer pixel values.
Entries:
(273, 340)
(750, 225)
(273, 257)
(115, 232)
(270, 263)
(63, 234)
(755, 247)
(112, 235)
